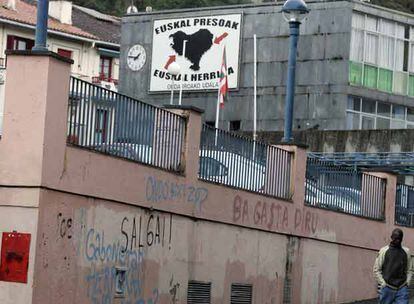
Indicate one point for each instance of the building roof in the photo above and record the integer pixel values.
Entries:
(105, 27)
(26, 13)
(86, 22)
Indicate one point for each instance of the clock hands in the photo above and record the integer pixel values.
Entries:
(135, 57)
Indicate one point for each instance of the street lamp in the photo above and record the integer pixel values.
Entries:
(174, 69)
(41, 25)
(294, 11)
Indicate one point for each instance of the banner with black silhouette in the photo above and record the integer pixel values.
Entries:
(200, 67)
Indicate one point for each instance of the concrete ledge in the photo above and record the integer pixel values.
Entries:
(39, 53)
(294, 143)
(185, 107)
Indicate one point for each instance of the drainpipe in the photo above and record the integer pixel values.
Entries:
(41, 25)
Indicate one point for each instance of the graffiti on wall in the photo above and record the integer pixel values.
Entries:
(272, 215)
(158, 190)
(103, 251)
(135, 234)
(64, 226)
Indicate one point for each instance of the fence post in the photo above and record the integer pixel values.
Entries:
(35, 120)
(192, 138)
(298, 172)
(390, 193)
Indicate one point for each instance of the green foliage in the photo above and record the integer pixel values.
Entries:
(118, 7)
(400, 5)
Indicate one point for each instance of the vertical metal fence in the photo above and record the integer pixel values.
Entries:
(344, 189)
(404, 205)
(373, 197)
(240, 162)
(112, 123)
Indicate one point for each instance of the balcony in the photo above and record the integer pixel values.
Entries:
(98, 79)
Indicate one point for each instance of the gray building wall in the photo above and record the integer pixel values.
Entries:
(347, 140)
(322, 70)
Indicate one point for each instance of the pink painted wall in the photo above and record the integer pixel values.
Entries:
(87, 204)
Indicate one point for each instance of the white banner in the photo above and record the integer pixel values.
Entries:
(206, 38)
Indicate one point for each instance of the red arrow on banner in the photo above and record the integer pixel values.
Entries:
(171, 59)
(218, 39)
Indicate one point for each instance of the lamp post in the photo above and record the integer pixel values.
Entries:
(41, 25)
(174, 69)
(294, 11)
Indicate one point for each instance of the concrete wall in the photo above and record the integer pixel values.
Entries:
(91, 213)
(19, 212)
(322, 70)
(322, 74)
(348, 141)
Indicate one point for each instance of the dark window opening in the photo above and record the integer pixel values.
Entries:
(406, 47)
(101, 124)
(65, 53)
(18, 43)
(105, 68)
(211, 124)
(235, 125)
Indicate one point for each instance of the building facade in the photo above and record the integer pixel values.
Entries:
(89, 38)
(354, 66)
(82, 226)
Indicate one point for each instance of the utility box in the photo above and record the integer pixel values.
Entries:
(14, 263)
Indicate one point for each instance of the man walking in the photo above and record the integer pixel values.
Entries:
(392, 270)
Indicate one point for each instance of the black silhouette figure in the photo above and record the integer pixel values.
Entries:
(197, 44)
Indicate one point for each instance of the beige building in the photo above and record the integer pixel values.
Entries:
(91, 39)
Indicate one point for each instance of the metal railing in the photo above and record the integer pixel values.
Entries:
(243, 163)
(404, 205)
(114, 124)
(344, 189)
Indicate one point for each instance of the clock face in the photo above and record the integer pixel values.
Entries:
(136, 57)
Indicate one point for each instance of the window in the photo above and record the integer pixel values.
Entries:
(364, 113)
(65, 53)
(19, 43)
(105, 68)
(355, 73)
(369, 106)
(235, 125)
(385, 80)
(354, 103)
(241, 294)
(395, 124)
(198, 293)
(357, 37)
(353, 121)
(410, 114)
(367, 122)
(383, 109)
(381, 54)
(398, 112)
(383, 123)
(101, 124)
(411, 85)
(400, 83)
(211, 124)
(370, 76)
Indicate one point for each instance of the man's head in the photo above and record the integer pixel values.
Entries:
(397, 237)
